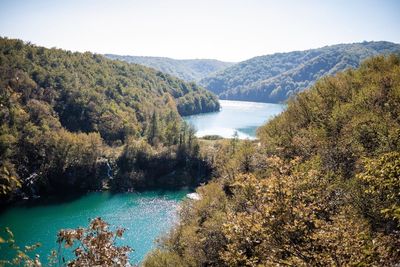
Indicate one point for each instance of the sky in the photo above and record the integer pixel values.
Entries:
(229, 30)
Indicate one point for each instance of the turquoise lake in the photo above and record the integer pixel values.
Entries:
(145, 216)
(241, 116)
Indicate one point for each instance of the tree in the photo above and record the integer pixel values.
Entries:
(320, 189)
(191, 136)
(95, 245)
(234, 142)
(380, 183)
(153, 135)
(244, 157)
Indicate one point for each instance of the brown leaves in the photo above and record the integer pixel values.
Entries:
(95, 245)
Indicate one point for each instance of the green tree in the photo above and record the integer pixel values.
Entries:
(154, 132)
(234, 142)
(244, 158)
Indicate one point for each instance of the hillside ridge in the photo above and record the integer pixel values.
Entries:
(190, 70)
(277, 77)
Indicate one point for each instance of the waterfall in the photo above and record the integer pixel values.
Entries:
(29, 183)
(109, 170)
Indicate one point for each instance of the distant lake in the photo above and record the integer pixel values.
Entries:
(241, 116)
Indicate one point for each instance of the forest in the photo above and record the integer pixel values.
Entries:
(71, 122)
(320, 187)
(275, 78)
(190, 70)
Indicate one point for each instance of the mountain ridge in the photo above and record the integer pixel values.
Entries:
(190, 70)
(65, 116)
(276, 77)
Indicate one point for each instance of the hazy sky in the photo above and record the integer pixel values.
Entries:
(230, 30)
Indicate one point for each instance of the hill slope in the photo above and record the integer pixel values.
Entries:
(62, 114)
(87, 90)
(320, 187)
(274, 78)
(188, 69)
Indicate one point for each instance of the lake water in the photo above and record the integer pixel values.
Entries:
(145, 216)
(241, 116)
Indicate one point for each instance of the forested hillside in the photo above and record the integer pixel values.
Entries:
(191, 70)
(320, 189)
(63, 115)
(276, 77)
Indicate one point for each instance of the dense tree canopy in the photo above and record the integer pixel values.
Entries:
(190, 70)
(319, 188)
(276, 77)
(63, 115)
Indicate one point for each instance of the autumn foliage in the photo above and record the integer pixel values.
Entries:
(320, 189)
(95, 245)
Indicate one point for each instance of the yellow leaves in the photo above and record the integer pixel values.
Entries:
(32, 247)
(277, 216)
(20, 256)
(163, 258)
(9, 233)
(8, 178)
(381, 184)
(304, 208)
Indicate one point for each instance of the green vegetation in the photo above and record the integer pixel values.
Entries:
(65, 118)
(212, 137)
(274, 78)
(190, 70)
(320, 189)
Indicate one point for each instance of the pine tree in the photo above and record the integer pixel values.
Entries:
(153, 136)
